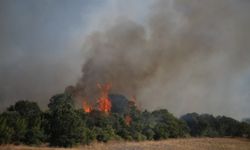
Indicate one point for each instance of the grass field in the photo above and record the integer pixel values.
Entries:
(171, 144)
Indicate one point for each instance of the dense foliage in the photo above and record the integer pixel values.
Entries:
(208, 125)
(63, 125)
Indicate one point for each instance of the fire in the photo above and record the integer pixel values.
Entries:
(104, 103)
(86, 107)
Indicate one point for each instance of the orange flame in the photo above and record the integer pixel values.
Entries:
(86, 107)
(104, 103)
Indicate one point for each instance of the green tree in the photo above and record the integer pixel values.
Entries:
(228, 126)
(103, 134)
(5, 131)
(167, 123)
(149, 133)
(31, 114)
(18, 124)
(66, 126)
(202, 125)
(26, 108)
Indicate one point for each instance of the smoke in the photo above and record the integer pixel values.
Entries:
(181, 55)
(40, 52)
(186, 56)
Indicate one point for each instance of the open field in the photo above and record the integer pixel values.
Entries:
(171, 144)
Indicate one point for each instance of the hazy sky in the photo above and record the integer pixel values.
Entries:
(41, 44)
(40, 51)
(201, 50)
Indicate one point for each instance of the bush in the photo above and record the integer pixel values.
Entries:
(161, 131)
(149, 133)
(208, 125)
(102, 135)
(66, 127)
(5, 132)
(167, 126)
(125, 134)
(88, 136)
(210, 133)
(137, 136)
(34, 136)
(25, 118)
(13, 121)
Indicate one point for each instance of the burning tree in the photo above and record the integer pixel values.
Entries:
(104, 103)
(86, 106)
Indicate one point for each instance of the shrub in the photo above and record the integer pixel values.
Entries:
(5, 131)
(66, 127)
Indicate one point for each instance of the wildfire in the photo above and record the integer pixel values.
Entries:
(104, 103)
(86, 107)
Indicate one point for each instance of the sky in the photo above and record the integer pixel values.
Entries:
(40, 46)
(41, 41)
(185, 56)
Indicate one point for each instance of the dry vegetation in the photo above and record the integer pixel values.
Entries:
(171, 144)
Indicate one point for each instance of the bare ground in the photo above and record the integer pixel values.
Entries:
(171, 144)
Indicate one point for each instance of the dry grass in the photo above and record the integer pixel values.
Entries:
(171, 144)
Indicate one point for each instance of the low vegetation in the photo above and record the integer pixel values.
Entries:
(62, 125)
(171, 144)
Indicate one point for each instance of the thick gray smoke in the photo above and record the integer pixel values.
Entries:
(183, 55)
(38, 48)
(188, 56)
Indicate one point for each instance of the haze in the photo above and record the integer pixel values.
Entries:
(185, 56)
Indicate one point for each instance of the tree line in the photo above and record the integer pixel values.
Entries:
(62, 125)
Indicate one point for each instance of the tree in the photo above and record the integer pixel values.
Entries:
(161, 131)
(17, 124)
(34, 136)
(208, 125)
(31, 115)
(244, 130)
(202, 125)
(66, 126)
(103, 134)
(192, 121)
(26, 108)
(5, 131)
(246, 120)
(149, 133)
(120, 103)
(167, 123)
(228, 126)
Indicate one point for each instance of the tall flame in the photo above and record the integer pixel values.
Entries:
(104, 103)
(86, 107)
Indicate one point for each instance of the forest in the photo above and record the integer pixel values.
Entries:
(62, 124)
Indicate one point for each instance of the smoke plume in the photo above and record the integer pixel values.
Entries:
(188, 56)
